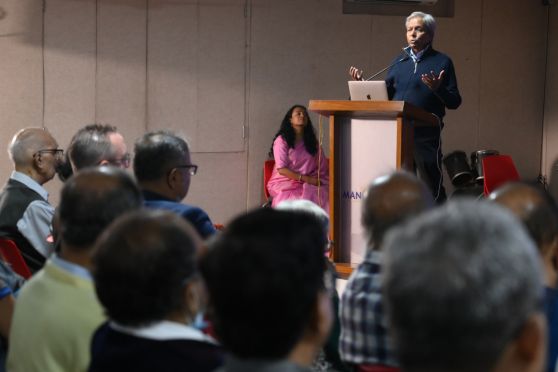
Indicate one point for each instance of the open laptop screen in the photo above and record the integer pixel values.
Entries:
(374, 90)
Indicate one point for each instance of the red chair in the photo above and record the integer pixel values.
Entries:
(11, 254)
(267, 171)
(498, 169)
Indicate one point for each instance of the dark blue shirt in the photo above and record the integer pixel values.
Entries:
(404, 82)
(195, 215)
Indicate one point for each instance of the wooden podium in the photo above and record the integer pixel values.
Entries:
(367, 139)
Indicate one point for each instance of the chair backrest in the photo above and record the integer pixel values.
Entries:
(267, 171)
(498, 169)
(11, 254)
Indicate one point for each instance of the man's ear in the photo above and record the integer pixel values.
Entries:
(38, 163)
(192, 299)
(531, 343)
(171, 178)
(321, 319)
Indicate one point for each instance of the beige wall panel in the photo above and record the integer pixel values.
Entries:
(196, 59)
(221, 75)
(70, 52)
(121, 66)
(21, 102)
(550, 145)
(460, 38)
(70, 47)
(512, 88)
(172, 68)
(220, 185)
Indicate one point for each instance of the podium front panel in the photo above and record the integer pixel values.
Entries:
(367, 150)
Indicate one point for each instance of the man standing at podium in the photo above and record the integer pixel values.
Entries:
(426, 78)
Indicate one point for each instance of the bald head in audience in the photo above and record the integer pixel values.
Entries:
(462, 291)
(390, 200)
(539, 214)
(90, 201)
(34, 153)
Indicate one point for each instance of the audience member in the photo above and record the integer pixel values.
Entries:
(462, 291)
(98, 144)
(307, 206)
(301, 170)
(57, 310)
(388, 201)
(265, 277)
(152, 328)
(331, 348)
(538, 212)
(163, 169)
(25, 214)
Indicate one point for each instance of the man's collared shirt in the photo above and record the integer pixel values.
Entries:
(364, 333)
(71, 267)
(36, 223)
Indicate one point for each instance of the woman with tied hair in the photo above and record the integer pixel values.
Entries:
(301, 169)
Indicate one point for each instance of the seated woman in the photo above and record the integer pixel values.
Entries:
(146, 278)
(301, 169)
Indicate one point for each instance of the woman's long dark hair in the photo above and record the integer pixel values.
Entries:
(287, 132)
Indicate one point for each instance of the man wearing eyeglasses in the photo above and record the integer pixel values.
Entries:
(163, 169)
(25, 213)
(98, 144)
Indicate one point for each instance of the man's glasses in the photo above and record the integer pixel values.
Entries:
(192, 168)
(58, 153)
(123, 162)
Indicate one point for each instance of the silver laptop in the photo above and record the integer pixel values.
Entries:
(374, 90)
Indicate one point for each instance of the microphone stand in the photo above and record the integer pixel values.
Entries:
(406, 57)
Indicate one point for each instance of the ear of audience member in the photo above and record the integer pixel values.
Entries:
(146, 278)
(265, 276)
(462, 290)
(57, 310)
(97, 144)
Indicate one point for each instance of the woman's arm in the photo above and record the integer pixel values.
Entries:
(298, 176)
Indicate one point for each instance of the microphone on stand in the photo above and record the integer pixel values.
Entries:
(406, 57)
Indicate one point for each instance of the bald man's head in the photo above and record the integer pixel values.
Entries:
(35, 153)
(534, 207)
(27, 142)
(90, 200)
(391, 199)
